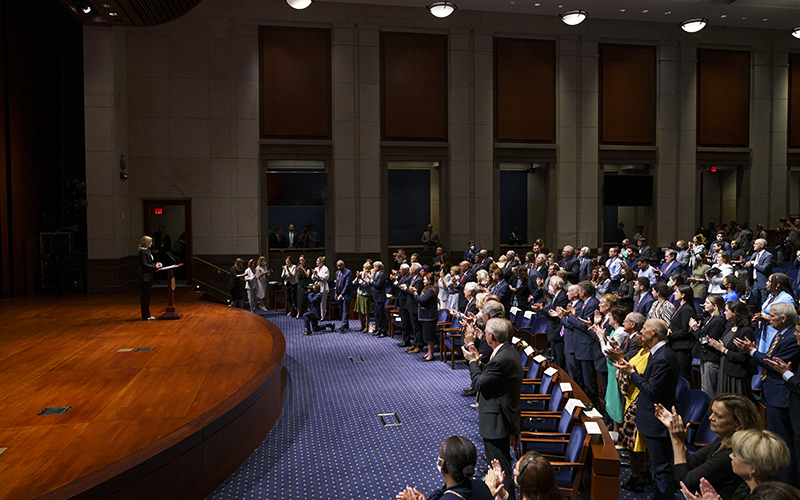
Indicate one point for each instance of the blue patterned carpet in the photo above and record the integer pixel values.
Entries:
(329, 441)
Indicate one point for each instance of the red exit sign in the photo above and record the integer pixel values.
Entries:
(158, 211)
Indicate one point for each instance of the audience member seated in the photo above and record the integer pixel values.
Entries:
(457, 458)
(533, 475)
(757, 457)
(728, 413)
(774, 490)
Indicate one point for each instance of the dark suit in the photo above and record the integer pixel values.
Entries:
(414, 281)
(379, 298)
(499, 383)
(573, 268)
(405, 315)
(573, 365)
(584, 346)
(292, 239)
(642, 303)
(502, 291)
(776, 394)
(793, 383)
(277, 241)
(536, 292)
(763, 270)
(344, 287)
(554, 327)
(668, 269)
(427, 312)
(147, 270)
(585, 269)
(465, 278)
(681, 340)
(658, 384)
(162, 245)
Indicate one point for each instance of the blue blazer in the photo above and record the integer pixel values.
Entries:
(763, 269)
(379, 288)
(502, 291)
(645, 304)
(573, 268)
(554, 324)
(344, 284)
(584, 344)
(428, 305)
(657, 384)
(569, 335)
(775, 390)
(668, 270)
(314, 302)
(401, 297)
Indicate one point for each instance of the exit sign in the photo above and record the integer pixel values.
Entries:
(158, 211)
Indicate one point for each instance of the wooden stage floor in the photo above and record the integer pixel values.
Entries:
(171, 422)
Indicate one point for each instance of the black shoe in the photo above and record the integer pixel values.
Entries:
(634, 484)
(343, 328)
(468, 393)
(330, 326)
(376, 334)
(403, 344)
(307, 333)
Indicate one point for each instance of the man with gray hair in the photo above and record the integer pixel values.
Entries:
(499, 383)
(759, 265)
(492, 309)
(570, 264)
(415, 282)
(555, 333)
(407, 334)
(632, 325)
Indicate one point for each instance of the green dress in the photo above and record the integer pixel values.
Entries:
(615, 403)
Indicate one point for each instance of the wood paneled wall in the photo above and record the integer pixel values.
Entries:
(525, 90)
(794, 100)
(627, 94)
(295, 83)
(723, 98)
(414, 86)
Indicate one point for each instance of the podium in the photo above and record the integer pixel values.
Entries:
(170, 313)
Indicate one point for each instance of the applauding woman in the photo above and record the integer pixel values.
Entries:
(712, 328)
(364, 304)
(735, 368)
(320, 275)
(428, 300)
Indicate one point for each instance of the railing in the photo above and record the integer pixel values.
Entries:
(211, 279)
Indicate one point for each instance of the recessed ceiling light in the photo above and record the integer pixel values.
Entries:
(765, 19)
(536, 4)
(86, 9)
(299, 4)
(743, 18)
(723, 16)
(574, 17)
(106, 6)
(694, 25)
(442, 9)
(796, 32)
(645, 11)
(622, 10)
(667, 12)
(112, 14)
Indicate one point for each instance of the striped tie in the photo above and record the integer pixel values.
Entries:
(769, 353)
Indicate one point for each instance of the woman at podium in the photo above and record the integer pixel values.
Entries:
(147, 269)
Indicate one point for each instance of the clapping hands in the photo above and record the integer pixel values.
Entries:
(409, 494)
(673, 422)
(494, 480)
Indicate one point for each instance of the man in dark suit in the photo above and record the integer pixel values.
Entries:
(276, 239)
(657, 385)
(573, 365)
(644, 299)
(759, 265)
(499, 383)
(775, 391)
(405, 317)
(671, 265)
(570, 264)
(586, 264)
(292, 237)
(633, 325)
(415, 282)
(501, 288)
(344, 293)
(162, 245)
(554, 337)
(475, 334)
(379, 298)
(469, 253)
(584, 338)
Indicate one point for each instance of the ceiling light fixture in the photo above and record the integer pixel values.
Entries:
(442, 9)
(694, 25)
(86, 9)
(299, 4)
(574, 17)
(113, 14)
(796, 32)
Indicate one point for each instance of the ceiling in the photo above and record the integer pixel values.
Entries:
(767, 14)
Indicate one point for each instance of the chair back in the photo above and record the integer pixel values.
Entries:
(524, 319)
(698, 304)
(565, 476)
(565, 422)
(539, 325)
(444, 315)
(534, 369)
(556, 399)
(692, 407)
(524, 358)
(683, 384)
(513, 313)
(547, 381)
(704, 435)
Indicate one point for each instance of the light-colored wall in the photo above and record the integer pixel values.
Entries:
(181, 101)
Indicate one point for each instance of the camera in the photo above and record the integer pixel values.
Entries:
(784, 220)
(703, 340)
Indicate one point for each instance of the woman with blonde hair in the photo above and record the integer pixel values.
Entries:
(757, 456)
(147, 269)
(364, 305)
(321, 274)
